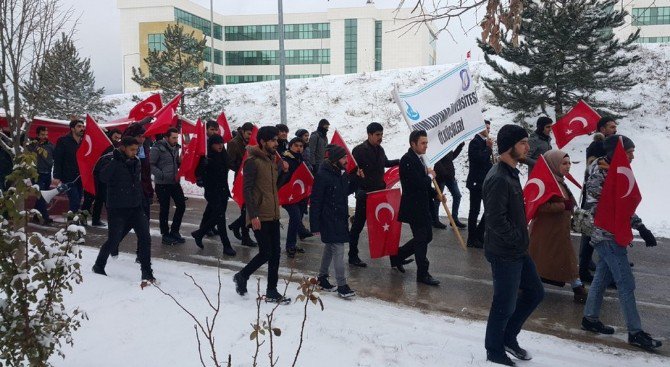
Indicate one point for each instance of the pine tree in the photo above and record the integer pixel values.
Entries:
(66, 85)
(567, 52)
(177, 69)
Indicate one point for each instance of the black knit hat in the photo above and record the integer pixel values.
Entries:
(508, 136)
(301, 132)
(215, 139)
(610, 143)
(334, 152)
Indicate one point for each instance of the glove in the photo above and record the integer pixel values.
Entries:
(647, 236)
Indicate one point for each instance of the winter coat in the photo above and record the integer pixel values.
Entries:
(294, 161)
(539, 144)
(123, 177)
(479, 155)
(307, 158)
(506, 233)
(550, 243)
(282, 146)
(595, 149)
(66, 168)
(444, 168)
(317, 146)
(417, 191)
(164, 162)
(236, 149)
(147, 186)
(45, 155)
(372, 160)
(329, 209)
(214, 171)
(260, 186)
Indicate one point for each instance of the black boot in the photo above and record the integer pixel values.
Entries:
(460, 224)
(198, 238)
(596, 327)
(99, 270)
(236, 231)
(228, 249)
(240, 284)
(247, 241)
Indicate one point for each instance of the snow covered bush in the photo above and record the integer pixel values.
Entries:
(35, 271)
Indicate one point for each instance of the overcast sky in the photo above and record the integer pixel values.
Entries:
(97, 33)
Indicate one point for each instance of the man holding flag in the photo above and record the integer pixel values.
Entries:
(613, 198)
(236, 149)
(66, 169)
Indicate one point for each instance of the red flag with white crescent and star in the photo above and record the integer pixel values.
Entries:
(581, 120)
(165, 118)
(540, 187)
(351, 161)
(93, 144)
(146, 107)
(298, 188)
(238, 184)
(196, 149)
(619, 198)
(392, 176)
(224, 127)
(382, 221)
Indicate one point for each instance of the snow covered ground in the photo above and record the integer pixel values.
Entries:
(350, 102)
(133, 327)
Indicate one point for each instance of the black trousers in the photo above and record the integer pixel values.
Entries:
(422, 234)
(358, 223)
(475, 231)
(269, 251)
(164, 193)
(241, 222)
(121, 221)
(585, 255)
(215, 216)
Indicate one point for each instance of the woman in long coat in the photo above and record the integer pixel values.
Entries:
(550, 243)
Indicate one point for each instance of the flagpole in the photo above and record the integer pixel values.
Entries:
(451, 218)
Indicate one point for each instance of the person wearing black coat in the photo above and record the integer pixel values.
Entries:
(124, 207)
(66, 169)
(480, 153)
(415, 207)
(517, 288)
(293, 156)
(446, 176)
(214, 171)
(329, 216)
(371, 159)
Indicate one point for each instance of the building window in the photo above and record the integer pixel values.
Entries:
(216, 78)
(270, 32)
(218, 55)
(651, 16)
(197, 22)
(378, 45)
(157, 42)
(271, 57)
(653, 40)
(350, 46)
(238, 79)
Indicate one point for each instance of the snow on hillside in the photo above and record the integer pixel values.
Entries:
(350, 102)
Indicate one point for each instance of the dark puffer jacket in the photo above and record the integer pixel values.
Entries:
(66, 168)
(479, 155)
(124, 183)
(214, 171)
(329, 210)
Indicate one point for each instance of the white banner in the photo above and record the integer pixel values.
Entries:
(447, 108)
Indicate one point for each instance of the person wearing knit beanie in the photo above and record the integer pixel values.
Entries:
(334, 153)
(610, 143)
(508, 136)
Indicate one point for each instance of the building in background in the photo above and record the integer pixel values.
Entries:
(652, 17)
(336, 41)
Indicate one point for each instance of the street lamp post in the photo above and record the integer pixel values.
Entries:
(282, 64)
(123, 69)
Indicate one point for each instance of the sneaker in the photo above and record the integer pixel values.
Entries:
(229, 250)
(428, 280)
(99, 223)
(167, 239)
(356, 261)
(596, 327)
(580, 294)
(178, 237)
(99, 270)
(240, 284)
(439, 225)
(325, 285)
(236, 231)
(198, 239)
(345, 292)
(503, 359)
(644, 341)
(518, 352)
(273, 296)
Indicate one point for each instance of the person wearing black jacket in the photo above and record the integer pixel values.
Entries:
(371, 159)
(517, 288)
(282, 140)
(415, 207)
(236, 149)
(293, 157)
(211, 129)
(445, 175)
(66, 169)
(124, 207)
(480, 153)
(214, 171)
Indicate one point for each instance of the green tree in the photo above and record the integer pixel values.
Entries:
(567, 51)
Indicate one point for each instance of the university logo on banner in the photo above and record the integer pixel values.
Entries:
(447, 108)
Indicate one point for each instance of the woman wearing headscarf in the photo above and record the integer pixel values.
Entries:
(550, 243)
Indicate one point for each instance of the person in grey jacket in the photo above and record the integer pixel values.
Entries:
(164, 156)
(317, 144)
(539, 141)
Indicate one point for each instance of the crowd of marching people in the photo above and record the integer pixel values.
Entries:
(523, 257)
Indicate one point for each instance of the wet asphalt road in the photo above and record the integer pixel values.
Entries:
(466, 288)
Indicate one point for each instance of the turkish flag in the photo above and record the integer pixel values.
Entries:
(146, 108)
(166, 117)
(392, 176)
(196, 149)
(337, 140)
(238, 184)
(619, 198)
(540, 187)
(224, 127)
(298, 188)
(93, 144)
(581, 120)
(252, 139)
(382, 221)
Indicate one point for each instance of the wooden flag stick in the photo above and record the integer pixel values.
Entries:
(451, 218)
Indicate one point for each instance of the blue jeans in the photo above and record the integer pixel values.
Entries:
(294, 223)
(452, 186)
(44, 182)
(74, 196)
(613, 265)
(510, 308)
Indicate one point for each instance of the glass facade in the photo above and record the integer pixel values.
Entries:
(238, 79)
(217, 78)
(270, 32)
(653, 40)
(156, 42)
(271, 57)
(218, 55)
(651, 16)
(198, 23)
(350, 46)
(378, 45)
